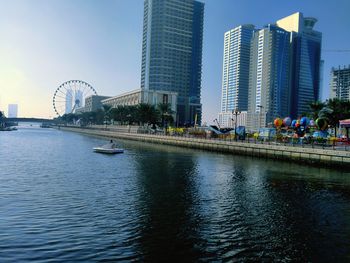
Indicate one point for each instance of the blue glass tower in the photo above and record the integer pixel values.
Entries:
(172, 53)
(306, 61)
(269, 78)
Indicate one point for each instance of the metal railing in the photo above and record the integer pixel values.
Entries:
(318, 143)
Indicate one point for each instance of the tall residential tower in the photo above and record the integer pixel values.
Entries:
(284, 64)
(340, 83)
(235, 73)
(172, 53)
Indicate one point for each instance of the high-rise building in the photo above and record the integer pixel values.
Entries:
(78, 99)
(284, 71)
(235, 72)
(172, 53)
(340, 83)
(269, 78)
(12, 111)
(306, 65)
(69, 101)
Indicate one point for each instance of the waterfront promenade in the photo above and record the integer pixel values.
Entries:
(325, 157)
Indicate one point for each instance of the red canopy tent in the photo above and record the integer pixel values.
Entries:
(345, 123)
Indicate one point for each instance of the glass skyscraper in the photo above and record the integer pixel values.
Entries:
(269, 78)
(172, 53)
(235, 72)
(306, 64)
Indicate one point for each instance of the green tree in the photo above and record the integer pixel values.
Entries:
(339, 110)
(165, 113)
(107, 111)
(147, 114)
(119, 114)
(315, 108)
(87, 118)
(1, 118)
(132, 114)
(99, 116)
(69, 118)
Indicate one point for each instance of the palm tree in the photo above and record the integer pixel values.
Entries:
(340, 110)
(119, 114)
(315, 108)
(132, 114)
(107, 113)
(165, 112)
(147, 113)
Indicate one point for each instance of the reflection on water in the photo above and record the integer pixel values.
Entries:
(61, 201)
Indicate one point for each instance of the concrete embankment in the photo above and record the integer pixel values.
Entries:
(335, 158)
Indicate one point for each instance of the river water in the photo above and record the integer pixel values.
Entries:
(60, 202)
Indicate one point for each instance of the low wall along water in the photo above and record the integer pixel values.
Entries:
(326, 157)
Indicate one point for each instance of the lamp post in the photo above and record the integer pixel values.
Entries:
(216, 120)
(106, 121)
(236, 112)
(261, 109)
(165, 121)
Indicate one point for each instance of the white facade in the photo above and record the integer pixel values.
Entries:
(228, 119)
(235, 71)
(340, 83)
(12, 111)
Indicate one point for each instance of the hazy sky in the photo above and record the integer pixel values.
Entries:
(44, 43)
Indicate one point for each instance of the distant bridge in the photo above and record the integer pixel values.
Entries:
(28, 120)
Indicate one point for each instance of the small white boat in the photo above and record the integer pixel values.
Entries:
(110, 148)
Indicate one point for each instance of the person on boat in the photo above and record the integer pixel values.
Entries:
(112, 144)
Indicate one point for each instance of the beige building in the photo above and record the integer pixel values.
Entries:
(94, 102)
(135, 97)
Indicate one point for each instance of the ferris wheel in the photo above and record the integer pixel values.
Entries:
(70, 96)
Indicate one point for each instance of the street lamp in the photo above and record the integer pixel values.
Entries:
(106, 121)
(166, 116)
(261, 109)
(236, 112)
(216, 120)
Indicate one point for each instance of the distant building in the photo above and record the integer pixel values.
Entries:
(69, 101)
(235, 72)
(78, 99)
(340, 83)
(306, 65)
(12, 111)
(228, 119)
(94, 102)
(152, 97)
(284, 67)
(172, 53)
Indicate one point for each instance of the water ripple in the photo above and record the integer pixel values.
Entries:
(59, 201)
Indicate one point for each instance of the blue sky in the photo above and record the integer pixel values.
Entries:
(44, 43)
